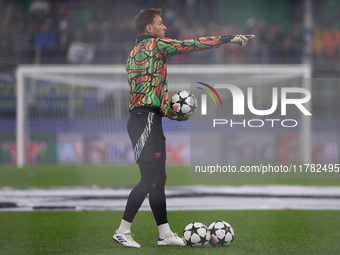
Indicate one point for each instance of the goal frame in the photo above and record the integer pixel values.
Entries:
(299, 69)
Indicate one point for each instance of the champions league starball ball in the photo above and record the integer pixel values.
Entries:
(221, 234)
(196, 234)
(183, 104)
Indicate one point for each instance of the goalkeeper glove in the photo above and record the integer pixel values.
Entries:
(236, 39)
(170, 114)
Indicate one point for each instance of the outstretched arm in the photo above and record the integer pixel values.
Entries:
(170, 47)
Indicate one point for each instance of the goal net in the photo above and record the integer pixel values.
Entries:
(78, 114)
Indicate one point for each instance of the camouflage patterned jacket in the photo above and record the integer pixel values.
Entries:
(147, 68)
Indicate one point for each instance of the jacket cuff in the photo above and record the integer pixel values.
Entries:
(226, 38)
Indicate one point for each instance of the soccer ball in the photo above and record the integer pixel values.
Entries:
(221, 234)
(196, 234)
(183, 104)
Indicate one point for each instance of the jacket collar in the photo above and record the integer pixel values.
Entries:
(143, 37)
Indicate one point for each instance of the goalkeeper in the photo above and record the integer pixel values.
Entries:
(147, 76)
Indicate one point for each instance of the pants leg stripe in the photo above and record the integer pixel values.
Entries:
(144, 136)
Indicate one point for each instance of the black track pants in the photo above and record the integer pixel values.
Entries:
(148, 142)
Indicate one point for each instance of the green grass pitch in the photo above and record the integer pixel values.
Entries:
(90, 232)
(126, 176)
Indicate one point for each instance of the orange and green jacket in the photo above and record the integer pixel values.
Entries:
(147, 68)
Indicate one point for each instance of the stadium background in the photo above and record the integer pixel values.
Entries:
(51, 32)
(74, 172)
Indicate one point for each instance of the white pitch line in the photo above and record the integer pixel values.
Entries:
(269, 197)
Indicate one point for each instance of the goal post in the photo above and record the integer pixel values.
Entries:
(106, 83)
(36, 70)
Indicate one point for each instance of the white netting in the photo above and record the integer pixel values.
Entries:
(78, 114)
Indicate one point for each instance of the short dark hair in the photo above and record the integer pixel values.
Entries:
(144, 17)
